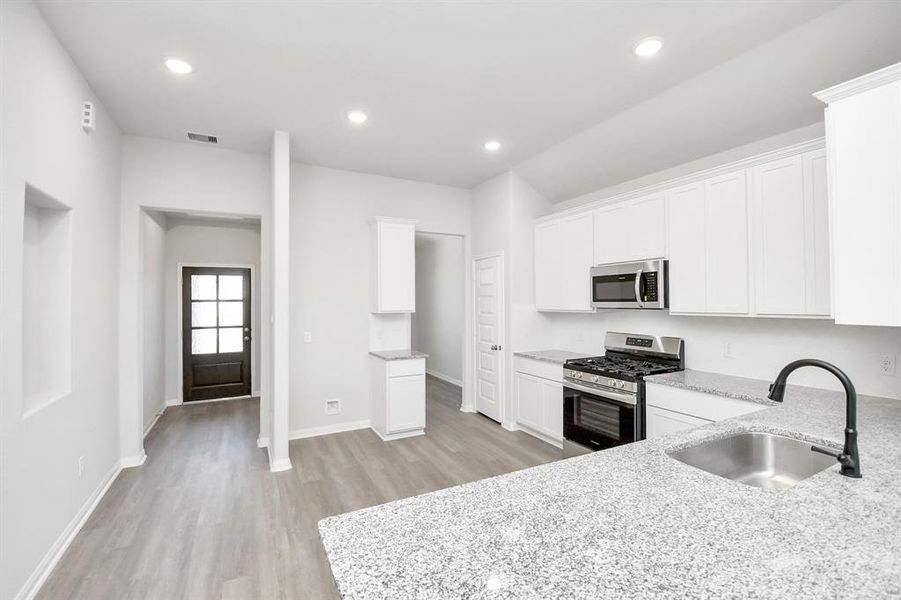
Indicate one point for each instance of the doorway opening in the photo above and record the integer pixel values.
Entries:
(438, 327)
(216, 333)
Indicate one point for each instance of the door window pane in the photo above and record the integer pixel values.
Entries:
(231, 313)
(231, 339)
(203, 287)
(203, 341)
(203, 314)
(231, 287)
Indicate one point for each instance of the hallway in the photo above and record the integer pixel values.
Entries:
(204, 517)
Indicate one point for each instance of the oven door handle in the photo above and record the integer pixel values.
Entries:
(638, 288)
(623, 397)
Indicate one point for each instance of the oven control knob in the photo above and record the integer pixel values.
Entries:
(622, 384)
(611, 383)
(595, 378)
(578, 375)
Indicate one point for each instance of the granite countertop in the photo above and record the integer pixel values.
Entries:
(553, 356)
(728, 386)
(631, 522)
(398, 354)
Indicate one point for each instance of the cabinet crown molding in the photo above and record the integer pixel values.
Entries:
(737, 165)
(860, 84)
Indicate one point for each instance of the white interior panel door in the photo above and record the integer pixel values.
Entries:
(489, 335)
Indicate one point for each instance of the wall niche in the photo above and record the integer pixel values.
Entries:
(46, 301)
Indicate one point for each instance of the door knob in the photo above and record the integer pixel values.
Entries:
(495, 347)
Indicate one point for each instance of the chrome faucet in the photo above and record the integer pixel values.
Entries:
(849, 458)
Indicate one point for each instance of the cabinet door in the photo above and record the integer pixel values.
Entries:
(547, 261)
(577, 249)
(406, 403)
(687, 266)
(552, 406)
(660, 422)
(396, 267)
(726, 243)
(611, 234)
(528, 401)
(816, 215)
(647, 228)
(780, 237)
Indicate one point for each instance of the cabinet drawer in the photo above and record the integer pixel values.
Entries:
(698, 404)
(661, 422)
(538, 368)
(402, 368)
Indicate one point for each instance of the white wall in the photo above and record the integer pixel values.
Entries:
(154, 236)
(190, 242)
(440, 294)
(172, 176)
(330, 245)
(42, 143)
(760, 347)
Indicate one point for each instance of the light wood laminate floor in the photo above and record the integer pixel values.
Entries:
(204, 517)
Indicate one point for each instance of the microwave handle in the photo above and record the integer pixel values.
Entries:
(638, 288)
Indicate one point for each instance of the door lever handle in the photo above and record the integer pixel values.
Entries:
(495, 347)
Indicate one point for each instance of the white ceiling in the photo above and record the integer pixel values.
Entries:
(439, 78)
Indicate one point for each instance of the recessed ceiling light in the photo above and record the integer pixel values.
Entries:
(648, 46)
(357, 117)
(492, 146)
(177, 65)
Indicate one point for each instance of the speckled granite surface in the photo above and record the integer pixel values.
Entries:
(730, 386)
(398, 354)
(553, 356)
(631, 522)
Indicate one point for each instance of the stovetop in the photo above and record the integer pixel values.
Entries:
(630, 369)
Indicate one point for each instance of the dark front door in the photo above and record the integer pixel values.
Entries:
(216, 332)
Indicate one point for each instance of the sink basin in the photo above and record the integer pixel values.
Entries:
(764, 460)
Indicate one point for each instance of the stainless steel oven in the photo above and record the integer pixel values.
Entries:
(597, 417)
(630, 285)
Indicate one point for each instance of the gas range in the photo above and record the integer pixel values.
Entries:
(603, 396)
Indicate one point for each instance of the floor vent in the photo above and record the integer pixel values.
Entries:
(202, 137)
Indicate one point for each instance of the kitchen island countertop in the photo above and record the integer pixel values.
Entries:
(631, 522)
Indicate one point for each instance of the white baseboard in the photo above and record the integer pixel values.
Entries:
(389, 437)
(276, 466)
(173, 402)
(127, 462)
(159, 413)
(309, 432)
(541, 436)
(510, 426)
(45, 567)
(257, 393)
(262, 442)
(467, 408)
(443, 377)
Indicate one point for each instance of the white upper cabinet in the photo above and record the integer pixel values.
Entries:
(687, 249)
(394, 265)
(708, 242)
(863, 141)
(630, 231)
(563, 257)
(789, 215)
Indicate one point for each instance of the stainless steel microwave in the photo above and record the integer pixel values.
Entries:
(630, 285)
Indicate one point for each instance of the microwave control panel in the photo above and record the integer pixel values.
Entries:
(650, 294)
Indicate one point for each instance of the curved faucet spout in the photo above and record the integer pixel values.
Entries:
(850, 457)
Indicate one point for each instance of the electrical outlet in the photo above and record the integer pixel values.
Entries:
(727, 350)
(333, 406)
(887, 365)
(307, 337)
(81, 465)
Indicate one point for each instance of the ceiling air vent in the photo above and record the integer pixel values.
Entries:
(202, 137)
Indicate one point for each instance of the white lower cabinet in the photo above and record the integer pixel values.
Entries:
(539, 400)
(661, 422)
(672, 409)
(398, 397)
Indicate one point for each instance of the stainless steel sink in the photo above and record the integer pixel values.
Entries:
(764, 460)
